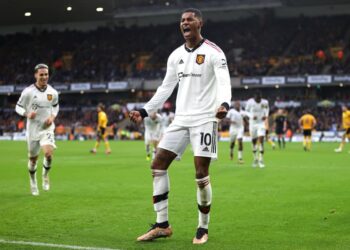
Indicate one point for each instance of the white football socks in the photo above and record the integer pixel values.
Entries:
(32, 171)
(204, 196)
(161, 186)
(46, 166)
(240, 155)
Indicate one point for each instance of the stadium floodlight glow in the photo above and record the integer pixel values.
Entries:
(27, 14)
(99, 9)
(69, 8)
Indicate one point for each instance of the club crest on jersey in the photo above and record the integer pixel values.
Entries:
(200, 59)
(49, 97)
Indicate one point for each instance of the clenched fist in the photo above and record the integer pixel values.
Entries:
(135, 116)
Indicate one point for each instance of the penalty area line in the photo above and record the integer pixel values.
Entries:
(43, 244)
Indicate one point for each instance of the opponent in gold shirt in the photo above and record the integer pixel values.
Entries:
(102, 122)
(307, 123)
(346, 127)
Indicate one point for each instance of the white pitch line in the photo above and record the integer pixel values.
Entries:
(42, 244)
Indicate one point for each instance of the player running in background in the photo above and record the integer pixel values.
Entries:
(102, 122)
(39, 104)
(280, 127)
(307, 123)
(199, 68)
(153, 133)
(236, 115)
(346, 127)
(167, 118)
(267, 134)
(258, 110)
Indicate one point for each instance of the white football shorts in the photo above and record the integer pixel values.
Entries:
(257, 130)
(203, 139)
(236, 134)
(45, 138)
(151, 136)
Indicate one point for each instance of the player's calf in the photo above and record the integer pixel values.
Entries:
(32, 176)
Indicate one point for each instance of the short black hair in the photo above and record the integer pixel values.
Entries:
(40, 66)
(101, 106)
(258, 94)
(196, 12)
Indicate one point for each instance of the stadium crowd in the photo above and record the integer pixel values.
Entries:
(259, 45)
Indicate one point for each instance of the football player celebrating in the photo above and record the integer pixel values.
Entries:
(39, 104)
(199, 68)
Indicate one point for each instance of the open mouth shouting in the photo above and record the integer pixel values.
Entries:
(186, 31)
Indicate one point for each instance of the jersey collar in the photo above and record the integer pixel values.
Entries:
(41, 90)
(196, 47)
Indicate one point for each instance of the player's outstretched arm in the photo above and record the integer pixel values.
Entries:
(135, 116)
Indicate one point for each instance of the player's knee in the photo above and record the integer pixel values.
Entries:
(48, 156)
(33, 160)
(201, 173)
(162, 159)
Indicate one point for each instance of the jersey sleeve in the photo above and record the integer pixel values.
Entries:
(244, 113)
(55, 105)
(23, 101)
(248, 108)
(223, 78)
(164, 91)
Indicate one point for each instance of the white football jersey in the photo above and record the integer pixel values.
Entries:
(257, 110)
(44, 103)
(204, 84)
(237, 118)
(167, 118)
(153, 126)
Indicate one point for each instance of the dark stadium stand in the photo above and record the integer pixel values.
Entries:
(255, 46)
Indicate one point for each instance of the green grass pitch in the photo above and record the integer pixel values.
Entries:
(301, 200)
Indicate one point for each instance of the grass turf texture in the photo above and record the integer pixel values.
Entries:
(299, 201)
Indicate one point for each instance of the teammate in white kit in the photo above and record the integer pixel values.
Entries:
(39, 104)
(258, 110)
(167, 119)
(200, 70)
(236, 116)
(153, 133)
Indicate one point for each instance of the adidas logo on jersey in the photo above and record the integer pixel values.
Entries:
(206, 149)
(181, 62)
